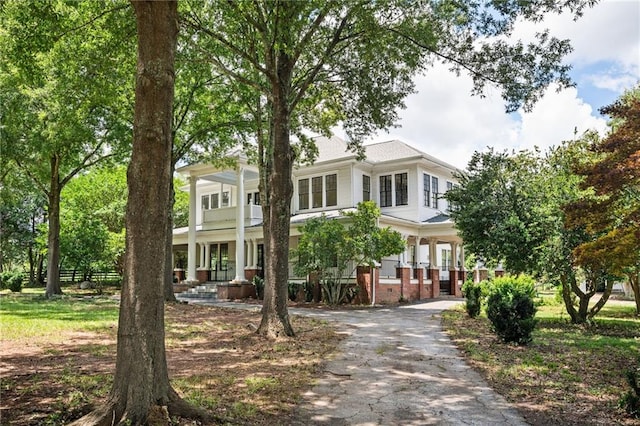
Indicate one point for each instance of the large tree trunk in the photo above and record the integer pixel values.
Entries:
(277, 169)
(53, 239)
(169, 295)
(141, 384)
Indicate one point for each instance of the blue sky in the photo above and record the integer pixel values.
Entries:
(443, 120)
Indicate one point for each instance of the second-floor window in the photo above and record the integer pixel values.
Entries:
(434, 192)
(426, 189)
(323, 192)
(303, 194)
(402, 189)
(331, 190)
(366, 188)
(385, 191)
(316, 192)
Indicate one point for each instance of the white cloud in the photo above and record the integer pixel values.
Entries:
(557, 117)
(443, 120)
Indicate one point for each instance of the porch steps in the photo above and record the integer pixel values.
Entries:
(208, 290)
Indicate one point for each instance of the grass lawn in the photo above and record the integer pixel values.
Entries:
(57, 358)
(568, 375)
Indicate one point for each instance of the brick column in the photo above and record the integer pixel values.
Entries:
(435, 281)
(404, 273)
(421, 289)
(363, 279)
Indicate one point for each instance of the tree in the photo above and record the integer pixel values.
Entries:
(333, 250)
(508, 208)
(64, 84)
(21, 216)
(92, 222)
(611, 209)
(500, 208)
(141, 383)
(312, 65)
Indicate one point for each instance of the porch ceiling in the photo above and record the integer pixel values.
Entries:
(229, 176)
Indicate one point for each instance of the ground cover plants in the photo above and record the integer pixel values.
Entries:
(568, 374)
(57, 359)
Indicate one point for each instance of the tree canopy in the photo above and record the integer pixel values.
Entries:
(611, 209)
(311, 65)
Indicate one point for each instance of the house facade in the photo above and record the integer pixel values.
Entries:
(224, 239)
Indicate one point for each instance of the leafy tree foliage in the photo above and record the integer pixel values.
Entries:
(311, 65)
(332, 250)
(611, 209)
(501, 208)
(21, 215)
(65, 84)
(508, 208)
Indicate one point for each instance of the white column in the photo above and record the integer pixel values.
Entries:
(207, 255)
(454, 256)
(462, 268)
(202, 258)
(191, 241)
(418, 259)
(254, 263)
(240, 226)
(433, 256)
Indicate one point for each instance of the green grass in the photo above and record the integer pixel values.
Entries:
(573, 373)
(25, 316)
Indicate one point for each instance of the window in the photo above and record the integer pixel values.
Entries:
(205, 202)
(225, 199)
(316, 192)
(331, 190)
(366, 188)
(215, 203)
(402, 190)
(449, 185)
(446, 259)
(434, 192)
(426, 189)
(303, 194)
(385, 191)
(322, 192)
(253, 198)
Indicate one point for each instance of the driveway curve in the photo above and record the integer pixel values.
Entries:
(398, 367)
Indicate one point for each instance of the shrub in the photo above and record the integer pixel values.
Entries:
(258, 282)
(630, 401)
(511, 309)
(12, 280)
(293, 289)
(473, 294)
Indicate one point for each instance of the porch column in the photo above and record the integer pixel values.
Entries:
(207, 255)
(191, 240)
(202, 258)
(255, 254)
(463, 271)
(239, 226)
(250, 253)
(434, 271)
(453, 270)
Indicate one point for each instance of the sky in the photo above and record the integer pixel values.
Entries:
(444, 120)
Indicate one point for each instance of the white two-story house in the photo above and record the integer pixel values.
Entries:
(223, 241)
